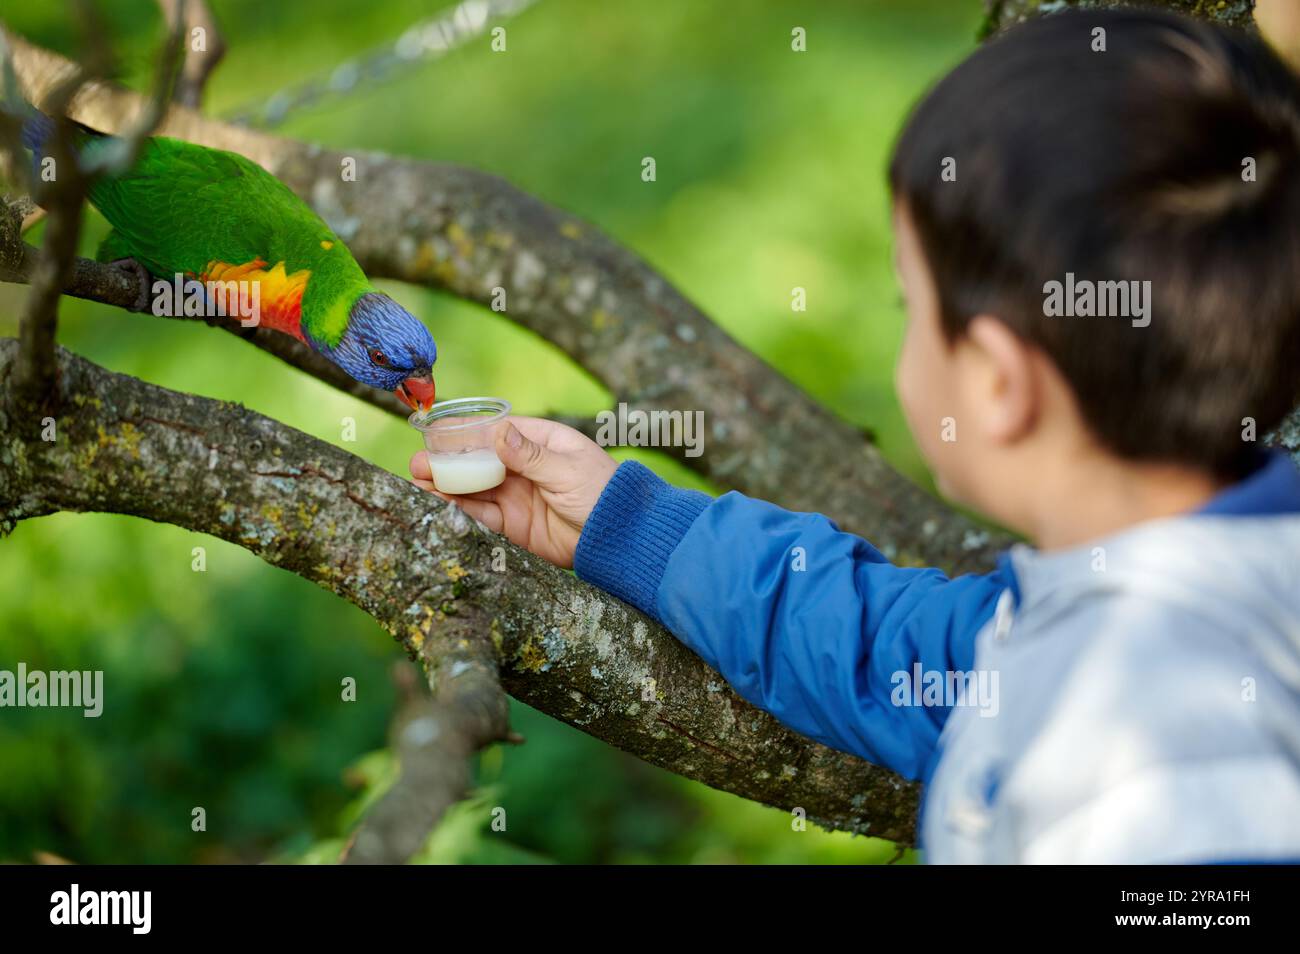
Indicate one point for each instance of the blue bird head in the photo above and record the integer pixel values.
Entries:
(387, 347)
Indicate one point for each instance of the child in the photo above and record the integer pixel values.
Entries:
(1099, 246)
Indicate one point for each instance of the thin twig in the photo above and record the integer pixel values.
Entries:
(434, 738)
(204, 47)
(62, 196)
(424, 41)
(125, 148)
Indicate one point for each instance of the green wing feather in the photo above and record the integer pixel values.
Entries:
(113, 247)
(182, 206)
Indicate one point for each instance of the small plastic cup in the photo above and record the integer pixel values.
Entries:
(460, 439)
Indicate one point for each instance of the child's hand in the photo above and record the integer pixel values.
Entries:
(556, 476)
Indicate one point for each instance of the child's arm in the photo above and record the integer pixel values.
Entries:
(809, 623)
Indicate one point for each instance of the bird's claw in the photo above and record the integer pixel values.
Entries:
(145, 297)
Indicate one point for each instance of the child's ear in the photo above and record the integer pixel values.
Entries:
(1005, 387)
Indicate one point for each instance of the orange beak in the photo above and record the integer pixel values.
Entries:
(416, 392)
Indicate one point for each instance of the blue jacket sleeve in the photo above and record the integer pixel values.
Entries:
(809, 623)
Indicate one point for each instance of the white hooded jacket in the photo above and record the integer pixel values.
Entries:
(1149, 701)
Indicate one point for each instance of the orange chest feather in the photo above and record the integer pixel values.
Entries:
(279, 293)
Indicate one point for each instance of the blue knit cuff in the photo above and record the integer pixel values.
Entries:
(632, 531)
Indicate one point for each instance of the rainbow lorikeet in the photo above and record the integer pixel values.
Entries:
(216, 216)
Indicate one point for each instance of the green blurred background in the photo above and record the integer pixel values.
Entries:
(223, 687)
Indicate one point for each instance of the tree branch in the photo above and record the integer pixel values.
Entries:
(62, 198)
(203, 50)
(34, 376)
(433, 738)
(425, 572)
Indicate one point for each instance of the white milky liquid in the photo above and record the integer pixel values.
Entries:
(466, 473)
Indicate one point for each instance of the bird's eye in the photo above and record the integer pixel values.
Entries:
(378, 357)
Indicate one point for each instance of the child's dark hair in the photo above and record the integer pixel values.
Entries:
(1131, 164)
